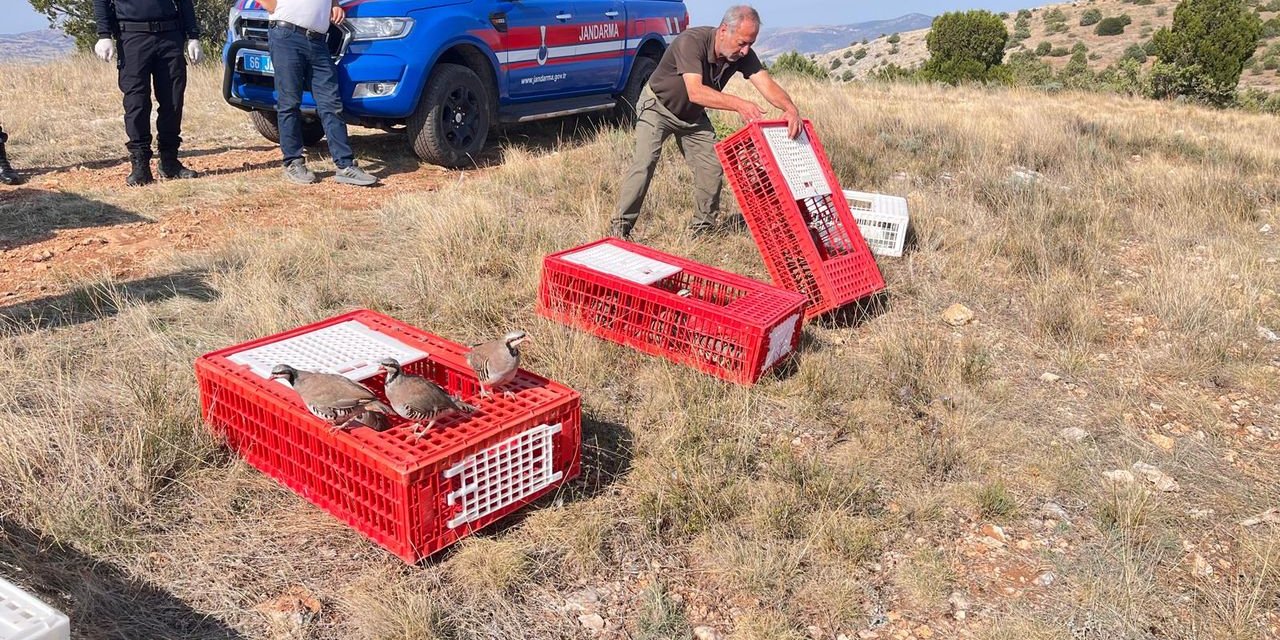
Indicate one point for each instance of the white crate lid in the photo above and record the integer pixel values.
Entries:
(876, 203)
(348, 348)
(25, 617)
(617, 261)
(798, 162)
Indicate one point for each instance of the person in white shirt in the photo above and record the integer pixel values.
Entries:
(298, 38)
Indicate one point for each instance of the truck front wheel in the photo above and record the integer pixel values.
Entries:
(451, 123)
(265, 123)
(629, 99)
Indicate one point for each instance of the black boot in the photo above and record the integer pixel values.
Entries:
(171, 168)
(7, 174)
(141, 174)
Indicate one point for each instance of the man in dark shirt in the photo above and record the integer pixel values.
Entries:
(690, 79)
(150, 34)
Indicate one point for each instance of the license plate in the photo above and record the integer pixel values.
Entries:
(258, 63)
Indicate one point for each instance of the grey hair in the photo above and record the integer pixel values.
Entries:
(737, 13)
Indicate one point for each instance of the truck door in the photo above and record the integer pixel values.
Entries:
(538, 33)
(602, 43)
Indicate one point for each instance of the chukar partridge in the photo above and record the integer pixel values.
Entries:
(497, 362)
(416, 398)
(338, 400)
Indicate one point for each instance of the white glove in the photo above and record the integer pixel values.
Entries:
(105, 48)
(193, 51)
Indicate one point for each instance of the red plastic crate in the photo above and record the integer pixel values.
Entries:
(712, 320)
(413, 497)
(798, 215)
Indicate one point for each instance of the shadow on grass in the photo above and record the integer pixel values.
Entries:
(32, 215)
(93, 302)
(101, 600)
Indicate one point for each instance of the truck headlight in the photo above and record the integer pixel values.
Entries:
(378, 28)
(232, 17)
(374, 89)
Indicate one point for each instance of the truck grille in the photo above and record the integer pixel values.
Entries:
(256, 29)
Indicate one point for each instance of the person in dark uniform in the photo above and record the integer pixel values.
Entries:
(150, 36)
(7, 174)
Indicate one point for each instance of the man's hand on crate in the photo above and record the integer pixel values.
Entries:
(794, 123)
(749, 111)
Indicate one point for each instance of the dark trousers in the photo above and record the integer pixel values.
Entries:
(301, 63)
(148, 59)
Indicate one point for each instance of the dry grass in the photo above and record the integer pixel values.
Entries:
(848, 496)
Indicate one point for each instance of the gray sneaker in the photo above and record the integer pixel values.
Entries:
(356, 176)
(298, 173)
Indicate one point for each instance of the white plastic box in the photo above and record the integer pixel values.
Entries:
(882, 220)
(25, 617)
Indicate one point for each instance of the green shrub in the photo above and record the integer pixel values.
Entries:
(1054, 15)
(895, 39)
(1161, 12)
(1143, 3)
(1271, 28)
(1271, 64)
(1059, 52)
(1076, 74)
(1026, 69)
(1134, 52)
(892, 73)
(1204, 52)
(860, 53)
(1044, 48)
(1110, 27)
(1124, 77)
(1055, 27)
(1169, 80)
(848, 53)
(795, 63)
(835, 63)
(1024, 14)
(847, 76)
(965, 46)
(1090, 17)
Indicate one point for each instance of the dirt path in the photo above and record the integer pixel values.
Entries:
(71, 223)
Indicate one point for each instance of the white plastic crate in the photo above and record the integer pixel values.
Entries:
(348, 348)
(882, 220)
(25, 617)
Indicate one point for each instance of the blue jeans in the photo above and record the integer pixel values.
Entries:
(302, 63)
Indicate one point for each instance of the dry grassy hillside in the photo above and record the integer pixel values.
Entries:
(1103, 50)
(908, 480)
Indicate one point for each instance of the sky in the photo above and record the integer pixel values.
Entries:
(16, 16)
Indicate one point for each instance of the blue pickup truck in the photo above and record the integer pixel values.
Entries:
(446, 71)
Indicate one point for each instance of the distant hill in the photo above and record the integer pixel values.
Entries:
(858, 61)
(35, 46)
(821, 39)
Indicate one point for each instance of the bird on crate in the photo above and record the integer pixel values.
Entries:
(417, 398)
(497, 362)
(338, 400)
